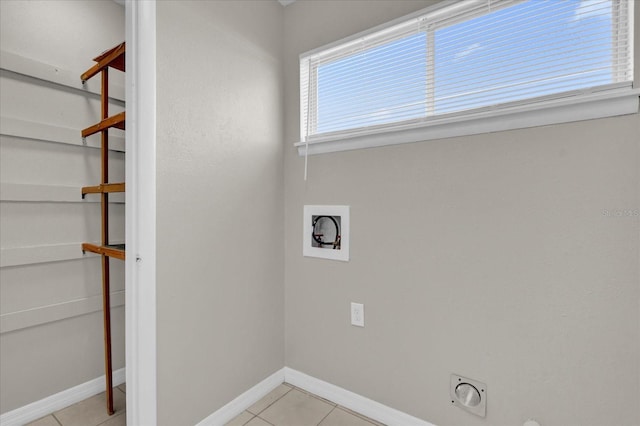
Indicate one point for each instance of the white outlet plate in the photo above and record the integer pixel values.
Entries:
(357, 314)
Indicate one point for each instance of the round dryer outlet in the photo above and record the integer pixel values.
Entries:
(468, 394)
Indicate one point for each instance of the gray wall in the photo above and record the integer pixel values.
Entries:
(219, 203)
(486, 256)
(51, 312)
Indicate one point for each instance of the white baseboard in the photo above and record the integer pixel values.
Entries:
(340, 396)
(58, 401)
(244, 401)
(352, 401)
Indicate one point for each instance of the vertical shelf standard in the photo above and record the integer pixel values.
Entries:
(112, 58)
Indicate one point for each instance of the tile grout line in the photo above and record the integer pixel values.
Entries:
(253, 417)
(347, 410)
(113, 416)
(318, 397)
(322, 420)
(268, 422)
(362, 416)
(56, 419)
(334, 405)
(276, 400)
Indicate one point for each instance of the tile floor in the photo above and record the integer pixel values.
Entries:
(90, 412)
(286, 405)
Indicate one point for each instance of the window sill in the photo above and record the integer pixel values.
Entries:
(587, 107)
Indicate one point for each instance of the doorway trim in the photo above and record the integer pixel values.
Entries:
(140, 213)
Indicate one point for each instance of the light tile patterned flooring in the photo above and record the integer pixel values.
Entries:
(90, 412)
(286, 405)
(290, 406)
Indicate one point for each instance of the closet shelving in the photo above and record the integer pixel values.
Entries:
(112, 58)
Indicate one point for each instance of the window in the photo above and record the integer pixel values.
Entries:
(469, 67)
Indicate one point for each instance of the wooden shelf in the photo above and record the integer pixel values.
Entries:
(103, 189)
(113, 58)
(116, 251)
(115, 121)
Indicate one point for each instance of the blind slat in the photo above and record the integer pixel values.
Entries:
(481, 56)
(533, 23)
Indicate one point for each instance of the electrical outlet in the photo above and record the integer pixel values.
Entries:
(357, 314)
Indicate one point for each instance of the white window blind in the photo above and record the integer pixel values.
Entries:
(465, 57)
